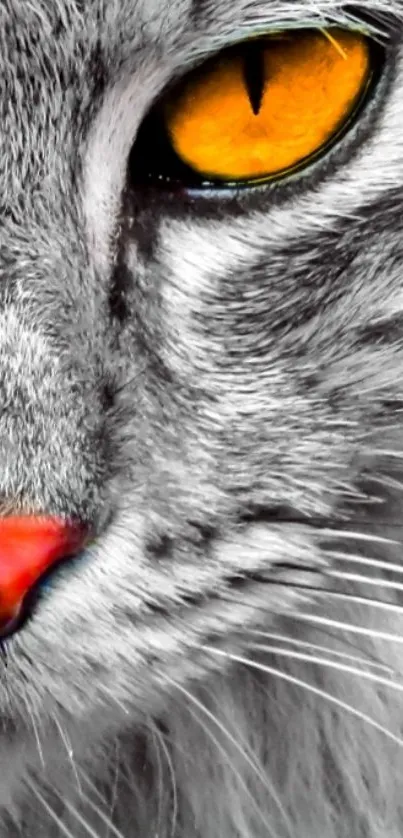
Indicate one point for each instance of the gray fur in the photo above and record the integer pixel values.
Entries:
(255, 365)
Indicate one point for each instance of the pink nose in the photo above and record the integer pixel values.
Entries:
(29, 545)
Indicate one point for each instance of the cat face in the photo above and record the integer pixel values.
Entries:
(206, 376)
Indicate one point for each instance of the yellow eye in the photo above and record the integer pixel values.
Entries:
(264, 107)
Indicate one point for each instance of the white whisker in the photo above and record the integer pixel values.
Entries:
(362, 600)
(156, 734)
(232, 768)
(360, 536)
(90, 783)
(69, 750)
(352, 670)
(252, 764)
(292, 679)
(387, 452)
(107, 820)
(317, 647)
(339, 624)
(168, 758)
(77, 815)
(54, 817)
(356, 559)
(313, 593)
(114, 789)
(116, 701)
(111, 828)
(341, 639)
(367, 580)
(31, 717)
(386, 480)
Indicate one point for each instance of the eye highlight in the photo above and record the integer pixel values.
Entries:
(259, 110)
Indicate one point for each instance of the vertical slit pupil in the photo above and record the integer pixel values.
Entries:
(254, 74)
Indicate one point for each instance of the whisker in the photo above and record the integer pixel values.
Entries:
(54, 817)
(69, 750)
(31, 717)
(328, 593)
(38, 740)
(317, 647)
(352, 670)
(387, 452)
(387, 481)
(232, 768)
(263, 779)
(357, 559)
(112, 829)
(362, 600)
(324, 593)
(339, 624)
(292, 679)
(333, 42)
(90, 783)
(76, 814)
(175, 806)
(156, 734)
(114, 789)
(360, 536)
(379, 582)
(184, 753)
(116, 701)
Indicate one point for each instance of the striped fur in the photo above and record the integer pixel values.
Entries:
(217, 385)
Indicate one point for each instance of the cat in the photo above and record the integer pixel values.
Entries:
(211, 376)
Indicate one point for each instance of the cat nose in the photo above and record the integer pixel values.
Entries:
(29, 546)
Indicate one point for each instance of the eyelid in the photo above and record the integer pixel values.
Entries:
(265, 27)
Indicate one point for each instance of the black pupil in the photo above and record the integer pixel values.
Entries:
(253, 70)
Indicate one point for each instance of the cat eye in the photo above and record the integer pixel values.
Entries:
(257, 111)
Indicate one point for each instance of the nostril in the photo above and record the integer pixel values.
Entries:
(29, 546)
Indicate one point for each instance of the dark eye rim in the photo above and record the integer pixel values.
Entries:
(172, 175)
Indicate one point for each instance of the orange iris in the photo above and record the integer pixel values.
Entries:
(309, 87)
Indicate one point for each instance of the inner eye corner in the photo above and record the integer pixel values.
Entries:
(244, 118)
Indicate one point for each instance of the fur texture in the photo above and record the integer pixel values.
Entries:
(217, 385)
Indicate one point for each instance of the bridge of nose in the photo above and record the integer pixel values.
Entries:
(29, 546)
